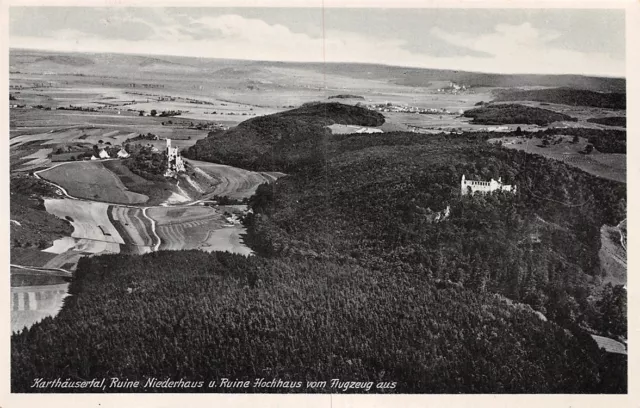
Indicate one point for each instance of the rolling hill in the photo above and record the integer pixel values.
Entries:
(280, 141)
(90, 63)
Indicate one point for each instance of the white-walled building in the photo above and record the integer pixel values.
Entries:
(473, 186)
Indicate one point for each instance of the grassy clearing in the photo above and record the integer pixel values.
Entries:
(228, 239)
(156, 191)
(93, 182)
(612, 166)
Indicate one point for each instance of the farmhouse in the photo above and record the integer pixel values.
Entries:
(473, 186)
(103, 154)
(123, 154)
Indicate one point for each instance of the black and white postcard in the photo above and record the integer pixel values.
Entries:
(322, 204)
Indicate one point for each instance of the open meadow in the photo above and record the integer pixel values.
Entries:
(612, 166)
(90, 180)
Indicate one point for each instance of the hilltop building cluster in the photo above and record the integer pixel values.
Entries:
(474, 186)
(454, 89)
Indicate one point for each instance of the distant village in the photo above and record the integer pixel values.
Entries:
(455, 89)
(389, 107)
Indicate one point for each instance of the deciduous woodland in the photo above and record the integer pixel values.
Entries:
(353, 280)
(515, 113)
(567, 96)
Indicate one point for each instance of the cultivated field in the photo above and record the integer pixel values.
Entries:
(67, 135)
(132, 225)
(91, 180)
(90, 220)
(231, 181)
(185, 227)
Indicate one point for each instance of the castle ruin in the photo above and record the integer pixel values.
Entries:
(174, 161)
(473, 186)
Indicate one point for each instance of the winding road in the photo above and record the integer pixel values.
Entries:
(232, 182)
(156, 245)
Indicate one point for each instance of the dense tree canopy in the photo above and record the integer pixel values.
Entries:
(502, 114)
(369, 203)
(281, 141)
(567, 96)
(199, 317)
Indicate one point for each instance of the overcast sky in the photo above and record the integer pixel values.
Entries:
(587, 42)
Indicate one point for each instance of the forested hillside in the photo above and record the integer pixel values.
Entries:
(199, 317)
(610, 121)
(370, 205)
(32, 226)
(567, 96)
(502, 114)
(281, 141)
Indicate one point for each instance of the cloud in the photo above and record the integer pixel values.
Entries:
(505, 39)
(507, 49)
(526, 49)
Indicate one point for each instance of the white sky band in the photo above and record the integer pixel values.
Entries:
(543, 41)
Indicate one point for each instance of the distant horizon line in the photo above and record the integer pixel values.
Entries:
(319, 62)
